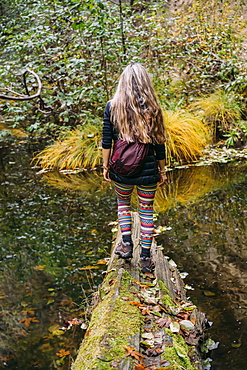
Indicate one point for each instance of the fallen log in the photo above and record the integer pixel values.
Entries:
(142, 322)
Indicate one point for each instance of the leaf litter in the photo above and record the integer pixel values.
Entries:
(158, 318)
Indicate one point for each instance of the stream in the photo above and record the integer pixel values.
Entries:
(56, 236)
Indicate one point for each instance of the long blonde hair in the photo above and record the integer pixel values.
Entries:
(135, 110)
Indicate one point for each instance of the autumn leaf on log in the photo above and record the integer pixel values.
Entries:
(144, 310)
(134, 303)
(133, 353)
(163, 322)
(155, 351)
(149, 275)
(140, 284)
(141, 367)
(193, 320)
(183, 315)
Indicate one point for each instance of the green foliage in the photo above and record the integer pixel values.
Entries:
(78, 48)
(232, 137)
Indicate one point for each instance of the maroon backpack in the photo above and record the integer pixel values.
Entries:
(127, 159)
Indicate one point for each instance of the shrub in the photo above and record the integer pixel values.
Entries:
(187, 136)
(220, 110)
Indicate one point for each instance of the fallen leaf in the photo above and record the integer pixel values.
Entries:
(163, 322)
(175, 327)
(149, 275)
(165, 363)
(156, 351)
(156, 313)
(208, 293)
(193, 320)
(141, 367)
(27, 321)
(188, 287)
(133, 353)
(134, 303)
(62, 353)
(235, 344)
(147, 335)
(145, 310)
(187, 325)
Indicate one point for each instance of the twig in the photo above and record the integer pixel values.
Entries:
(22, 97)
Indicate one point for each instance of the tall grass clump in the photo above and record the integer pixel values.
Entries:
(187, 136)
(220, 110)
(79, 148)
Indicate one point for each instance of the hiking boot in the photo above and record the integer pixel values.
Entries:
(147, 264)
(124, 250)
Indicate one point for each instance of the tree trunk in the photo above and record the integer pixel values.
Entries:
(142, 321)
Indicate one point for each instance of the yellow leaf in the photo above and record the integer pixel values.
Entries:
(62, 353)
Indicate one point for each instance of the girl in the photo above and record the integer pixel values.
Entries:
(134, 114)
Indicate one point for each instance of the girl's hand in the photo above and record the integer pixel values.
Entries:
(106, 174)
(163, 178)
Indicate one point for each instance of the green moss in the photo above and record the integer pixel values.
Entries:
(113, 323)
(178, 354)
(166, 298)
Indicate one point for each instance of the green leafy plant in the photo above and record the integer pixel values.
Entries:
(232, 137)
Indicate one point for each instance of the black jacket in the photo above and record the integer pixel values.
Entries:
(149, 174)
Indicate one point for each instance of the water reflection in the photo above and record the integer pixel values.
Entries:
(208, 240)
(53, 245)
(55, 237)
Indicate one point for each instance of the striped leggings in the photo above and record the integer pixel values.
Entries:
(146, 195)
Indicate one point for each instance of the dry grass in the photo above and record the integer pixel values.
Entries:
(187, 136)
(75, 149)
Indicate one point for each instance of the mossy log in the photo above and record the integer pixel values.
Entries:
(142, 321)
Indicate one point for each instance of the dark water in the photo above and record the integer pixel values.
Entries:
(55, 236)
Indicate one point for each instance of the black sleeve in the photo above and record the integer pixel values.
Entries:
(160, 151)
(107, 132)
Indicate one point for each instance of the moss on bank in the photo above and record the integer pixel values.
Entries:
(114, 321)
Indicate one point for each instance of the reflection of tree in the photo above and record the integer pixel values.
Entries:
(208, 240)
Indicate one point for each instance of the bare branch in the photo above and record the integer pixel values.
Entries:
(22, 97)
